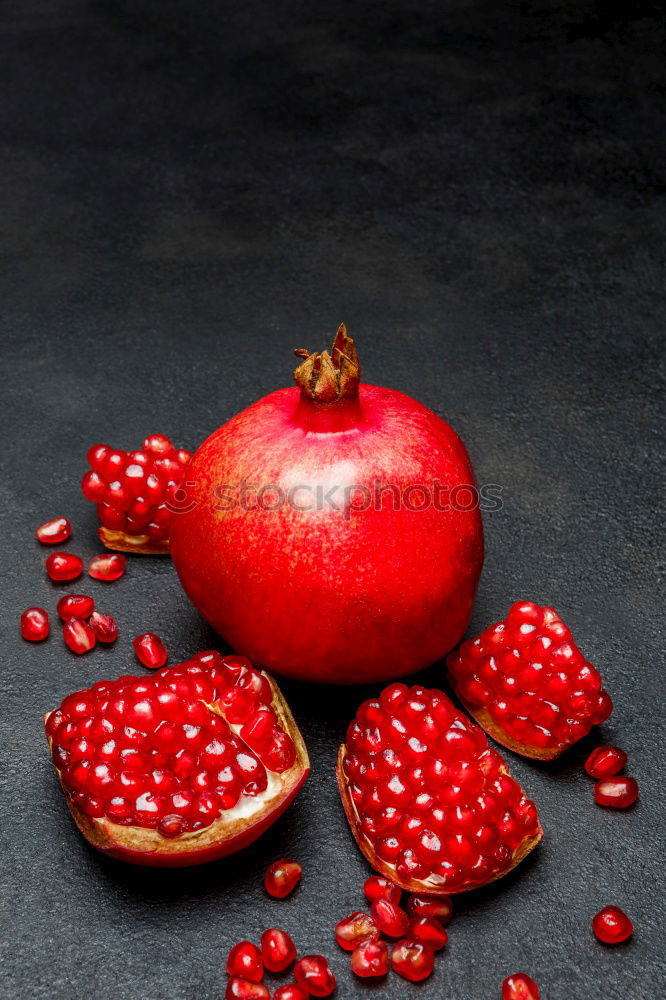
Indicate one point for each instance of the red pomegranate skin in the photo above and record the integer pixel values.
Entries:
(345, 596)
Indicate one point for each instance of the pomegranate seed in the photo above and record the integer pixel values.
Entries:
(53, 532)
(290, 991)
(390, 918)
(107, 567)
(370, 959)
(245, 961)
(605, 762)
(355, 929)
(429, 931)
(34, 624)
(150, 650)
(431, 906)
(616, 793)
(412, 960)
(63, 566)
(104, 627)
(520, 987)
(277, 949)
(75, 606)
(612, 926)
(282, 877)
(313, 973)
(78, 635)
(376, 887)
(245, 989)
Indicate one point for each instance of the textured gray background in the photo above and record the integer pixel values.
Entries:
(189, 191)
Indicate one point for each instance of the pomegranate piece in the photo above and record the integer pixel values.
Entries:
(527, 683)
(277, 950)
(246, 989)
(150, 650)
(605, 762)
(78, 635)
(429, 931)
(282, 877)
(104, 627)
(155, 773)
(612, 925)
(389, 918)
(245, 961)
(412, 960)
(370, 959)
(355, 929)
(53, 532)
(107, 567)
(616, 793)
(75, 606)
(290, 991)
(519, 987)
(34, 624)
(432, 807)
(440, 907)
(313, 974)
(377, 887)
(62, 566)
(137, 493)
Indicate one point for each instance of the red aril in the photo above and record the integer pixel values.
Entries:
(53, 532)
(104, 627)
(527, 683)
(376, 887)
(313, 973)
(150, 650)
(389, 918)
(78, 635)
(107, 567)
(605, 762)
(412, 960)
(354, 929)
(431, 806)
(277, 949)
(62, 566)
(440, 907)
(429, 931)
(282, 877)
(321, 478)
(616, 793)
(370, 959)
(155, 773)
(291, 991)
(34, 624)
(244, 960)
(75, 606)
(519, 987)
(612, 925)
(246, 989)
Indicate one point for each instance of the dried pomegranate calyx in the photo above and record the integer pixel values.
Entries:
(326, 377)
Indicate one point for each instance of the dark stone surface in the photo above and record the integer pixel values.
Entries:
(189, 191)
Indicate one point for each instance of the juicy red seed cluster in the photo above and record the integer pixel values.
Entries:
(134, 490)
(432, 799)
(532, 679)
(148, 752)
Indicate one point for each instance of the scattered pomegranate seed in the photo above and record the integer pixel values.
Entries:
(390, 918)
(429, 931)
(34, 624)
(376, 887)
(63, 566)
(75, 606)
(150, 650)
(53, 532)
(107, 567)
(277, 950)
(370, 959)
(355, 929)
(282, 877)
(412, 960)
(245, 989)
(104, 627)
(245, 961)
(313, 973)
(519, 987)
(612, 926)
(431, 906)
(605, 762)
(78, 635)
(290, 991)
(616, 793)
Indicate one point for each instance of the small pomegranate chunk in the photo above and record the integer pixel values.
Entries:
(616, 793)
(354, 929)
(246, 989)
(527, 683)
(390, 918)
(612, 926)
(75, 606)
(412, 960)
(34, 624)
(63, 566)
(53, 532)
(431, 906)
(605, 762)
(290, 991)
(245, 961)
(313, 973)
(282, 877)
(519, 987)
(150, 650)
(277, 950)
(104, 627)
(78, 635)
(370, 959)
(429, 931)
(377, 887)
(107, 567)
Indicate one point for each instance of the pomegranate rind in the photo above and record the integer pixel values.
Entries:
(120, 541)
(142, 846)
(429, 886)
(500, 735)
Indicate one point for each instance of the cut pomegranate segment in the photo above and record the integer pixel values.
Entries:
(107, 567)
(519, 987)
(136, 493)
(412, 960)
(616, 793)
(440, 907)
(612, 925)
(282, 877)
(75, 606)
(34, 624)
(431, 806)
(277, 949)
(313, 973)
(78, 635)
(527, 683)
(605, 762)
(370, 959)
(150, 650)
(53, 532)
(355, 929)
(245, 961)
(376, 887)
(245, 989)
(104, 627)
(156, 773)
(61, 566)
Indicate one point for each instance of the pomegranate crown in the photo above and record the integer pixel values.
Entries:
(327, 378)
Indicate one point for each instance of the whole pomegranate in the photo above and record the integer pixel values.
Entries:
(332, 533)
